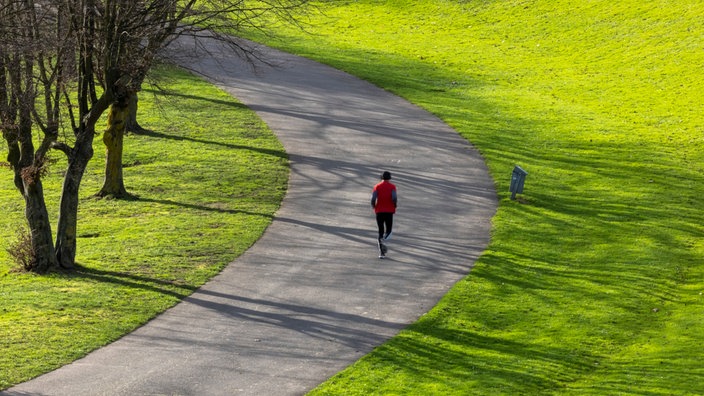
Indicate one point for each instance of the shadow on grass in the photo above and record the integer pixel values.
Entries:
(223, 102)
(160, 286)
(443, 356)
(168, 202)
(477, 361)
(160, 135)
(201, 102)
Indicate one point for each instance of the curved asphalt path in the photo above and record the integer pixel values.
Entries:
(311, 296)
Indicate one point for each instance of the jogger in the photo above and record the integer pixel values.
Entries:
(384, 201)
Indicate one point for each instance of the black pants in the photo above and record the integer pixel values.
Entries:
(384, 221)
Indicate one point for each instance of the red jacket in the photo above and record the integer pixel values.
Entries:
(384, 197)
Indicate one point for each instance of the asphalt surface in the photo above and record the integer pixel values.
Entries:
(311, 296)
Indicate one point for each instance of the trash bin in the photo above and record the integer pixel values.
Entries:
(518, 178)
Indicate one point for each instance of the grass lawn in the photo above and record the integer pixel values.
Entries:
(208, 177)
(594, 280)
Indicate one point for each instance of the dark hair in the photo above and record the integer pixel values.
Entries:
(386, 175)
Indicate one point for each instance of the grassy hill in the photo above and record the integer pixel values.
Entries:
(594, 280)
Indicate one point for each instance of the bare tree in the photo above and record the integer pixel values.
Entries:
(64, 63)
(21, 56)
(140, 30)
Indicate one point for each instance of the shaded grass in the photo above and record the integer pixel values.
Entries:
(593, 282)
(207, 179)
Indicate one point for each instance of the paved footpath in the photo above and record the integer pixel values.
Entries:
(311, 296)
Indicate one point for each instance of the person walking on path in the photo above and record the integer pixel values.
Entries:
(384, 201)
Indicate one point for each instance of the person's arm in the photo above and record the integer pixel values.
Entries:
(393, 197)
(373, 199)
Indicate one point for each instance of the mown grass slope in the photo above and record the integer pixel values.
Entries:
(594, 279)
(207, 178)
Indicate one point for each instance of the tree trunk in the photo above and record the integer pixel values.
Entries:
(132, 125)
(113, 138)
(27, 178)
(40, 227)
(28, 166)
(68, 205)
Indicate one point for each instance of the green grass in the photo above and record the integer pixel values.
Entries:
(208, 177)
(593, 282)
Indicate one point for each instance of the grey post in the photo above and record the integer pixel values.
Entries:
(518, 178)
